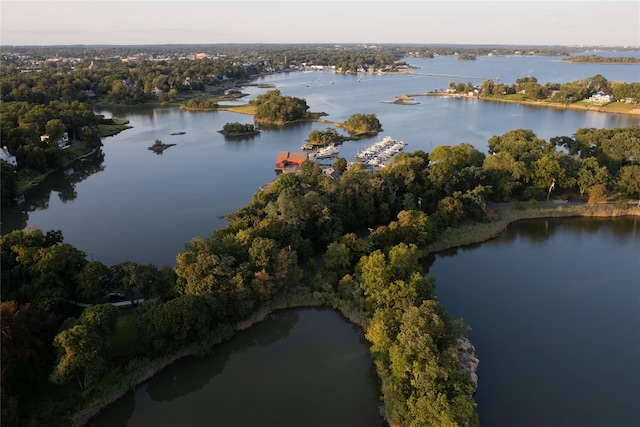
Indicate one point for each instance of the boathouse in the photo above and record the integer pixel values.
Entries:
(290, 161)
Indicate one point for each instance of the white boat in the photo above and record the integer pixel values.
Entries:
(326, 152)
(380, 153)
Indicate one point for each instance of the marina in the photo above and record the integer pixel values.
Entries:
(379, 154)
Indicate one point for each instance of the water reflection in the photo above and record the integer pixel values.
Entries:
(188, 375)
(300, 367)
(553, 306)
(537, 232)
(63, 182)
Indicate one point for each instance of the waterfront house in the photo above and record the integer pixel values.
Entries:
(601, 98)
(290, 161)
(8, 157)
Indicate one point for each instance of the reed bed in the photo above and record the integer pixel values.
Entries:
(470, 234)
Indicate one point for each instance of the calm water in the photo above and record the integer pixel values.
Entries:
(136, 205)
(299, 368)
(554, 307)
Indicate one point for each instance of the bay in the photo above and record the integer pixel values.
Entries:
(139, 206)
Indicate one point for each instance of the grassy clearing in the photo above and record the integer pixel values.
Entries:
(117, 126)
(621, 107)
(249, 109)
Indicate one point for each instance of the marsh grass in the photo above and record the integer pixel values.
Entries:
(469, 234)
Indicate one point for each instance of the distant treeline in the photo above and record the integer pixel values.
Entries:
(603, 59)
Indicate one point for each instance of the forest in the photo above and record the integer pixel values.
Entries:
(354, 243)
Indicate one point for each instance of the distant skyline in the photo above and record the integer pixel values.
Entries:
(96, 22)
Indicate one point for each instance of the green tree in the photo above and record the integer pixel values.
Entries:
(629, 180)
(55, 128)
(505, 175)
(546, 170)
(522, 144)
(424, 361)
(101, 319)
(338, 259)
(82, 357)
(590, 174)
(93, 280)
(340, 164)
(55, 276)
(201, 271)
(393, 280)
(187, 319)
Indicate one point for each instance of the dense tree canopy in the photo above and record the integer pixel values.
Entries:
(272, 107)
(359, 124)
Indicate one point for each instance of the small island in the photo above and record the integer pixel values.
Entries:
(158, 146)
(239, 129)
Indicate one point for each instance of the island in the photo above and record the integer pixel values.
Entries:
(239, 129)
(158, 146)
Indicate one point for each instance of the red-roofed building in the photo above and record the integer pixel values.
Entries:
(290, 161)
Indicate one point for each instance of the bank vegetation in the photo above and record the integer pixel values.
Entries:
(595, 93)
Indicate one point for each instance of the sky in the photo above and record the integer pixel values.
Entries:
(514, 22)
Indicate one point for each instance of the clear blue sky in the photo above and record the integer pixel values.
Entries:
(51, 22)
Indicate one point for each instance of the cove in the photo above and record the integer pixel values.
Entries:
(300, 367)
(554, 306)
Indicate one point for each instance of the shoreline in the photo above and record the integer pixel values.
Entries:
(302, 298)
(541, 104)
(37, 180)
(472, 234)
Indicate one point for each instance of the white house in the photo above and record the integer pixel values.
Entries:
(7, 156)
(601, 98)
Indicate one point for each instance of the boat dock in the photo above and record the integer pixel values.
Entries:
(377, 155)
